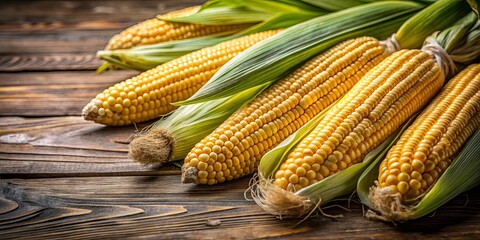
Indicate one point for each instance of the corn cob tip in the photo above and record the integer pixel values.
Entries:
(189, 174)
(278, 201)
(90, 112)
(388, 203)
(153, 148)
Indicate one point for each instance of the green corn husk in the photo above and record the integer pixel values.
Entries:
(226, 12)
(440, 15)
(336, 5)
(146, 57)
(339, 5)
(268, 14)
(461, 176)
(172, 137)
(462, 42)
(183, 116)
(262, 61)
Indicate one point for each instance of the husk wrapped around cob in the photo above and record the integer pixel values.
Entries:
(312, 168)
(327, 31)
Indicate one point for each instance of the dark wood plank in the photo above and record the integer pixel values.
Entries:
(48, 62)
(64, 35)
(61, 42)
(67, 146)
(29, 14)
(53, 93)
(161, 207)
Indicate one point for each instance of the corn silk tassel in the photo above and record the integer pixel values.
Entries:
(426, 150)
(325, 159)
(174, 34)
(377, 19)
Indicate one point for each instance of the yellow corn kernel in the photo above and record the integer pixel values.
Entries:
(426, 148)
(156, 31)
(285, 107)
(386, 97)
(150, 94)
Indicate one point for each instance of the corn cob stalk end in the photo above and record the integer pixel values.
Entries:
(155, 147)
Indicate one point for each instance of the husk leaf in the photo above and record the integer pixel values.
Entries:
(343, 4)
(462, 40)
(437, 16)
(226, 12)
(142, 58)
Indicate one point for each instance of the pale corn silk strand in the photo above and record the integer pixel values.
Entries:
(391, 45)
(398, 211)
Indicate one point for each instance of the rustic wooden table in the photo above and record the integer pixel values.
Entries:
(63, 177)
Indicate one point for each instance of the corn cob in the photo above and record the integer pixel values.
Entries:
(235, 148)
(383, 100)
(427, 148)
(155, 30)
(149, 94)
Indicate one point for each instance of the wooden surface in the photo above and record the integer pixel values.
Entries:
(62, 177)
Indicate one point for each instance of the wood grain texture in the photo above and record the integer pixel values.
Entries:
(68, 11)
(65, 35)
(53, 93)
(160, 206)
(64, 178)
(67, 146)
(48, 62)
